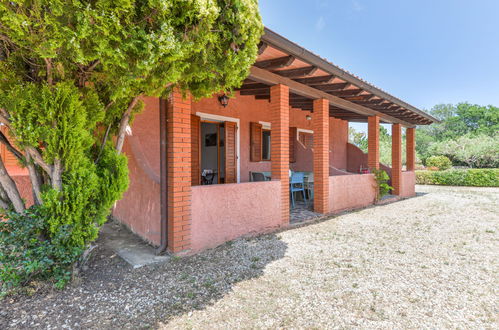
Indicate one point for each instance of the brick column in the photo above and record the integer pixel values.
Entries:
(179, 172)
(320, 124)
(373, 142)
(410, 142)
(279, 108)
(396, 158)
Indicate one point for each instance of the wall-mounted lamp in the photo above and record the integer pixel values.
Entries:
(309, 117)
(224, 100)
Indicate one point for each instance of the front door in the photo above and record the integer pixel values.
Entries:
(214, 152)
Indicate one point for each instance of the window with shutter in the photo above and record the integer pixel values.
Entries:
(255, 142)
(230, 152)
(195, 150)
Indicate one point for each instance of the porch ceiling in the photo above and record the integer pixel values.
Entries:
(310, 77)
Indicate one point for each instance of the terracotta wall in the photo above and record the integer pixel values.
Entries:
(356, 157)
(408, 184)
(351, 191)
(140, 209)
(222, 213)
(338, 139)
(248, 110)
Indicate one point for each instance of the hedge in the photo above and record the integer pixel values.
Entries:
(482, 177)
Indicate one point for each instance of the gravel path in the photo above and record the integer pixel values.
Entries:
(425, 262)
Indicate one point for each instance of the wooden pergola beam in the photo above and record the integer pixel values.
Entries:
(331, 87)
(270, 78)
(252, 86)
(297, 73)
(361, 97)
(256, 91)
(346, 92)
(315, 80)
(276, 63)
(261, 47)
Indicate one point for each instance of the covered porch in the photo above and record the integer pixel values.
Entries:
(228, 167)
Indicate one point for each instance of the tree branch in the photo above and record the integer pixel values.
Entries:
(4, 199)
(103, 144)
(92, 66)
(38, 159)
(35, 155)
(48, 62)
(57, 175)
(123, 124)
(36, 181)
(11, 189)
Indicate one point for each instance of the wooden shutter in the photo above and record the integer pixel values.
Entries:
(8, 158)
(195, 150)
(255, 142)
(230, 152)
(292, 142)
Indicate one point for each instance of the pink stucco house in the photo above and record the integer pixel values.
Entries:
(194, 165)
(206, 172)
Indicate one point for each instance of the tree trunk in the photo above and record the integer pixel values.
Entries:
(4, 199)
(11, 189)
(57, 175)
(123, 124)
(36, 181)
(37, 158)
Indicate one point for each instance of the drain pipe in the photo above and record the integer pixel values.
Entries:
(163, 182)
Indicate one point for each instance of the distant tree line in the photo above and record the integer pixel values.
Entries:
(468, 134)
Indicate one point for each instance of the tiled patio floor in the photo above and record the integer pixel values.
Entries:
(303, 212)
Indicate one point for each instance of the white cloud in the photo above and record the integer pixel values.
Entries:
(320, 24)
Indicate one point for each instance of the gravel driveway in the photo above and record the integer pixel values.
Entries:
(425, 262)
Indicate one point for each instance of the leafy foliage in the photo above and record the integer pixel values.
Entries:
(481, 151)
(459, 120)
(382, 179)
(460, 177)
(385, 144)
(440, 162)
(359, 139)
(26, 254)
(71, 75)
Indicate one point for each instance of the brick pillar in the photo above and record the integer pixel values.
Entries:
(410, 142)
(396, 158)
(373, 142)
(320, 124)
(279, 108)
(179, 172)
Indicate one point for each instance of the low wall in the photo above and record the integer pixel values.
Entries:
(408, 188)
(221, 213)
(357, 158)
(351, 192)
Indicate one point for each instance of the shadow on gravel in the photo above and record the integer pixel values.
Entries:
(110, 294)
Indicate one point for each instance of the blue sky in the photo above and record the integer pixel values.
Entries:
(424, 52)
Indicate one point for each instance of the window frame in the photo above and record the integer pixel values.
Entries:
(270, 145)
